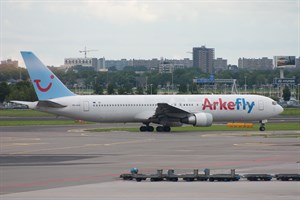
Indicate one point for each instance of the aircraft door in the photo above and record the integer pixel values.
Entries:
(260, 105)
(86, 106)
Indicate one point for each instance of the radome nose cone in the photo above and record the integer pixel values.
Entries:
(280, 109)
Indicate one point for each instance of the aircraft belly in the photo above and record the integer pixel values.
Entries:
(114, 115)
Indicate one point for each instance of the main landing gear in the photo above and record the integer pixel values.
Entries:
(262, 125)
(148, 128)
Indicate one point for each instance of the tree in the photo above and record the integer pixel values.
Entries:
(183, 89)
(286, 93)
(110, 89)
(128, 88)
(194, 88)
(140, 90)
(4, 91)
(98, 89)
(22, 91)
(121, 90)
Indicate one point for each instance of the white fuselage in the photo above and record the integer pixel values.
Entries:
(139, 108)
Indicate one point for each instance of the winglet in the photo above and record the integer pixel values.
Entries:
(46, 84)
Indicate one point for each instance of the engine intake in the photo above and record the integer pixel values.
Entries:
(199, 119)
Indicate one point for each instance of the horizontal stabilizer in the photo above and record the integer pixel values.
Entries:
(40, 104)
(50, 104)
(31, 105)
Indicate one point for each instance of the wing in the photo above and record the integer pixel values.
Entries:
(167, 113)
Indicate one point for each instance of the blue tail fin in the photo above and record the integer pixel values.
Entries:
(46, 84)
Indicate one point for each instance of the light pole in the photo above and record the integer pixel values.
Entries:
(172, 80)
(298, 88)
(245, 84)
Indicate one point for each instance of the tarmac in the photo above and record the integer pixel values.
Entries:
(66, 162)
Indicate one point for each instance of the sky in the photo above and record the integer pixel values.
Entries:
(146, 29)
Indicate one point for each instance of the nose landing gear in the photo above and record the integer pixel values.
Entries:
(262, 128)
(262, 125)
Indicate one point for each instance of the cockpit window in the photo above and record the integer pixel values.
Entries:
(274, 103)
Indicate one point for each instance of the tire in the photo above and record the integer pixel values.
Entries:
(150, 129)
(159, 129)
(167, 128)
(143, 128)
(262, 128)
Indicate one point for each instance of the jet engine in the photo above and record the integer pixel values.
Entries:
(199, 119)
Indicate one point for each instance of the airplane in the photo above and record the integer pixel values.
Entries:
(165, 110)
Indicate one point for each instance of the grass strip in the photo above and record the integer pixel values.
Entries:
(291, 111)
(22, 113)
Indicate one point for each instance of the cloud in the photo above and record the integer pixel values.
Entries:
(116, 12)
(146, 29)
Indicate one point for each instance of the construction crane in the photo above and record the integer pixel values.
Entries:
(86, 50)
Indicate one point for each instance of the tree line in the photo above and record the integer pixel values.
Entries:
(128, 81)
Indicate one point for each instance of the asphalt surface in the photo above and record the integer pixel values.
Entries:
(61, 162)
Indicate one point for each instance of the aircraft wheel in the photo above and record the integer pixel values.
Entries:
(150, 129)
(167, 128)
(159, 129)
(143, 128)
(262, 128)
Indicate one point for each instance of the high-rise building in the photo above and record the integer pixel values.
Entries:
(84, 62)
(297, 62)
(204, 58)
(220, 64)
(254, 63)
(169, 67)
(96, 64)
(101, 65)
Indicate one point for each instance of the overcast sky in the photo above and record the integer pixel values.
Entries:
(57, 29)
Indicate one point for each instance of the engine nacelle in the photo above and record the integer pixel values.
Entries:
(199, 119)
